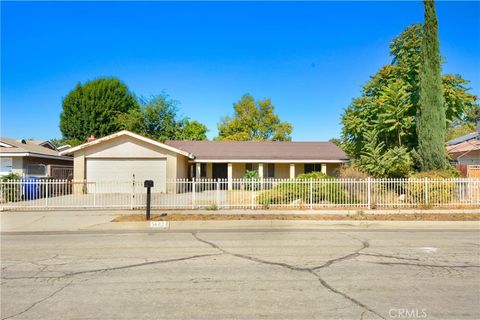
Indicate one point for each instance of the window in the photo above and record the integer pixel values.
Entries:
(203, 170)
(269, 170)
(311, 167)
(6, 166)
(248, 166)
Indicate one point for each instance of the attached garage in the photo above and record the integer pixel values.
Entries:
(111, 164)
(126, 170)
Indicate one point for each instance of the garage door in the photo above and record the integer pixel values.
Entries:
(116, 175)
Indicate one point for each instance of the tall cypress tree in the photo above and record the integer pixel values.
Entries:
(431, 114)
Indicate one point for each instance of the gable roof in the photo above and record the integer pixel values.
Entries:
(32, 148)
(464, 147)
(266, 151)
(129, 134)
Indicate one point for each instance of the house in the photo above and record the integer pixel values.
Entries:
(32, 158)
(126, 156)
(466, 149)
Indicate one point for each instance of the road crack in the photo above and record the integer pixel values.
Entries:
(39, 301)
(301, 269)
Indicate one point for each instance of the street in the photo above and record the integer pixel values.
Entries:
(260, 274)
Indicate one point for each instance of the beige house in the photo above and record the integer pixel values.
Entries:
(33, 158)
(126, 156)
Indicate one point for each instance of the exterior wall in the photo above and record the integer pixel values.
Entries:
(238, 170)
(45, 161)
(299, 169)
(471, 158)
(182, 167)
(282, 170)
(79, 165)
(209, 171)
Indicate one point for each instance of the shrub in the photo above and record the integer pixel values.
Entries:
(351, 171)
(439, 190)
(11, 192)
(287, 192)
(252, 175)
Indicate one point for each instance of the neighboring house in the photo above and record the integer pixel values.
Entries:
(126, 156)
(32, 158)
(466, 149)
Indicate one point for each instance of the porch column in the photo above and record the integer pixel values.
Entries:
(260, 170)
(230, 175)
(198, 170)
(292, 170)
(324, 168)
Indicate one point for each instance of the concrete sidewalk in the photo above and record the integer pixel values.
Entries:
(41, 221)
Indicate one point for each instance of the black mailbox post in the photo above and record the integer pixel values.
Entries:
(149, 185)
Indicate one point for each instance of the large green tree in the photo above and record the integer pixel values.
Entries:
(94, 108)
(390, 100)
(158, 119)
(431, 112)
(254, 121)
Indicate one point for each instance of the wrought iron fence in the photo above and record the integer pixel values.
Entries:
(242, 194)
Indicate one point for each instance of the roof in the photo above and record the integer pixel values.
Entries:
(267, 151)
(470, 136)
(464, 147)
(12, 147)
(125, 133)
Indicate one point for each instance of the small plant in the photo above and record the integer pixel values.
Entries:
(252, 175)
(212, 207)
(11, 192)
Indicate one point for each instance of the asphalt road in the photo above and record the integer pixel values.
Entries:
(242, 275)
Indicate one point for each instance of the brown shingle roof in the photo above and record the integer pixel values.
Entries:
(29, 146)
(264, 150)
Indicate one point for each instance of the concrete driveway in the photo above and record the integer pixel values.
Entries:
(295, 274)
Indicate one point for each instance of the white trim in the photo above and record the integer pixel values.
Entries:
(31, 154)
(49, 143)
(5, 145)
(130, 134)
(268, 161)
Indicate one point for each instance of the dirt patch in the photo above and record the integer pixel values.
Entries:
(386, 217)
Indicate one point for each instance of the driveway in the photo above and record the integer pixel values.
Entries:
(295, 274)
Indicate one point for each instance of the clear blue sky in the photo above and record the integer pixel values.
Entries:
(310, 58)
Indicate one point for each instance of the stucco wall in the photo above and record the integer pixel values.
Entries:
(332, 168)
(238, 170)
(17, 165)
(471, 158)
(182, 167)
(282, 170)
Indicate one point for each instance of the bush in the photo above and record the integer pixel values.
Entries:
(351, 171)
(11, 192)
(252, 175)
(438, 189)
(288, 192)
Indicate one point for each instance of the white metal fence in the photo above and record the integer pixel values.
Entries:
(242, 194)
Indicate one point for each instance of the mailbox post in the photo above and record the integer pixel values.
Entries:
(149, 185)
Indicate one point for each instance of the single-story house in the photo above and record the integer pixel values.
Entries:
(465, 150)
(35, 158)
(126, 156)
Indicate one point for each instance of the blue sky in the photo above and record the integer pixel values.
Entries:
(310, 58)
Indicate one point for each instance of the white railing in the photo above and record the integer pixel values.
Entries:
(242, 194)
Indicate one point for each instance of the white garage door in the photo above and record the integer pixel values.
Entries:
(116, 175)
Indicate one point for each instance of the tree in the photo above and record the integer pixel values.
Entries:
(431, 112)
(157, 118)
(390, 100)
(94, 108)
(254, 121)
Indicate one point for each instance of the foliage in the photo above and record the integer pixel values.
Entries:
(431, 112)
(351, 171)
(157, 118)
(254, 121)
(439, 190)
(459, 130)
(298, 191)
(94, 108)
(252, 175)
(11, 192)
(395, 162)
(390, 100)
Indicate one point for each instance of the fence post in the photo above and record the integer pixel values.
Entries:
(311, 193)
(426, 190)
(251, 192)
(218, 194)
(369, 195)
(94, 194)
(46, 193)
(132, 195)
(193, 193)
